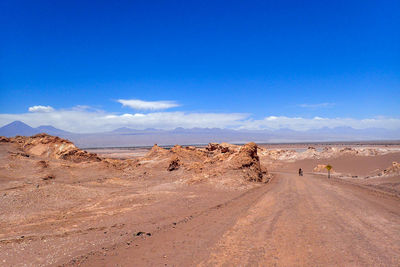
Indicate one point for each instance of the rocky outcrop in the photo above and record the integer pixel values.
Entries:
(322, 168)
(156, 151)
(174, 164)
(248, 160)
(49, 146)
(392, 170)
(4, 139)
(222, 148)
(212, 161)
(126, 164)
(217, 163)
(78, 155)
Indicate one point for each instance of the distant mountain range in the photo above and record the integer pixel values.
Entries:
(124, 137)
(20, 128)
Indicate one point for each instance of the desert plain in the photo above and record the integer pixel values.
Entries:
(211, 205)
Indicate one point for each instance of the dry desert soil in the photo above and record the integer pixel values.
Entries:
(220, 205)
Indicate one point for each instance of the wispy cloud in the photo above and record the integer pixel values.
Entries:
(147, 105)
(40, 109)
(318, 105)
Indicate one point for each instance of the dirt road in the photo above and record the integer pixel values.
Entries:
(293, 221)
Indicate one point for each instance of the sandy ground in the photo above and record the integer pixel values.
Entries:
(348, 164)
(60, 213)
(119, 153)
(293, 221)
(358, 170)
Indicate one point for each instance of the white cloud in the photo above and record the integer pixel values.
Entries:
(303, 124)
(41, 109)
(318, 105)
(271, 118)
(86, 120)
(147, 105)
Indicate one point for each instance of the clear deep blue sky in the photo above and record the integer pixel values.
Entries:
(258, 57)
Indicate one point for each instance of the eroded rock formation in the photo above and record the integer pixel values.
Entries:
(52, 147)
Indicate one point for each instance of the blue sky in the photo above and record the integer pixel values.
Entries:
(247, 61)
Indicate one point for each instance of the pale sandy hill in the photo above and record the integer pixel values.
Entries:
(48, 146)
